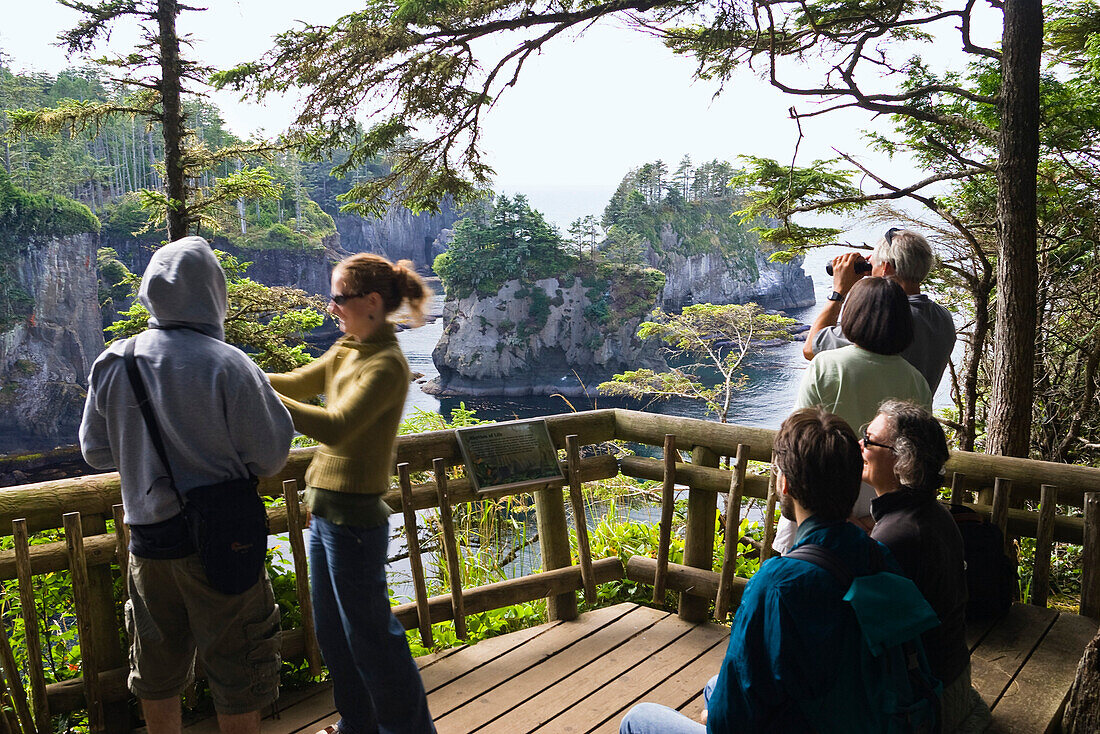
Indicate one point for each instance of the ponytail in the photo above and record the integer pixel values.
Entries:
(397, 284)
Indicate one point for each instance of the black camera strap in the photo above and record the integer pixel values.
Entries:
(138, 386)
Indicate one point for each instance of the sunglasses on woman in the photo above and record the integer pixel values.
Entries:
(341, 299)
(866, 439)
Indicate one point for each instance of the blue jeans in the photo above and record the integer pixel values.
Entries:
(653, 718)
(376, 684)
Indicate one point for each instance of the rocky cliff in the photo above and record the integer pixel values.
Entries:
(710, 278)
(305, 269)
(399, 235)
(46, 357)
(540, 339)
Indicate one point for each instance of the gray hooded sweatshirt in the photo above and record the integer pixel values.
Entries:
(217, 414)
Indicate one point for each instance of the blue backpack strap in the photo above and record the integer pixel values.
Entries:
(822, 557)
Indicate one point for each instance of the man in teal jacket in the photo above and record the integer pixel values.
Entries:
(793, 661)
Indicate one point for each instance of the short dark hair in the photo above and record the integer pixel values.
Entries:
(919, 445)
(877, 316)
(818, 453)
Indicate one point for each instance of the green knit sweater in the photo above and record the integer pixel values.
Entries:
(365, 384)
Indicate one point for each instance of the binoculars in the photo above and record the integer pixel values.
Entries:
(862, 266)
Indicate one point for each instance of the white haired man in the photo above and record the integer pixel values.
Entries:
(905, 257)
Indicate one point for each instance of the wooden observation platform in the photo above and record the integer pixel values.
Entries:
(576, 673)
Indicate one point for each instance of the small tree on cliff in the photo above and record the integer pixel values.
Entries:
(270, 323)
(506, 241)
(707, 346)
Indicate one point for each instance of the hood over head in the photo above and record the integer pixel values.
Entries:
(185, 286)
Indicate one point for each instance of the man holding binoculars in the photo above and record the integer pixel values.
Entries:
(906, 258)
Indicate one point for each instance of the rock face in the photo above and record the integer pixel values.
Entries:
(46, 359)
(495, 346)
(708, 278)
(400, 235)
(305, 269)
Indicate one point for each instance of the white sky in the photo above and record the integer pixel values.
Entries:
(582, 114)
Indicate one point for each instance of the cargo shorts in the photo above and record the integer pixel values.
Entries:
(173, 613)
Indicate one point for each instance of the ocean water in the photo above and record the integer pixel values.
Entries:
(774, 375)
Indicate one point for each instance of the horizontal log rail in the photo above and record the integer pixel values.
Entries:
(686, 579)
(1027, 475)
(69, 695)
(44, 504)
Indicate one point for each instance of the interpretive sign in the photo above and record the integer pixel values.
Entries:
(509, 455)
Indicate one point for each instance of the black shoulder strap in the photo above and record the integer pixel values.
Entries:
(138, 386)
(821, 556)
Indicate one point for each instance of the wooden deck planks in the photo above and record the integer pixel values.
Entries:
(1005, 648)
(634, 685)
(676, 690)
(509, 681)
(582, 676)
(1034, 700)
(588, 681)
(470, 657)
(494, 670)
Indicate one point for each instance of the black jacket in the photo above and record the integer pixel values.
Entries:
(926, 543)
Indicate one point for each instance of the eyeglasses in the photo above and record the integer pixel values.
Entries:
(341, 299)
(868, 442)
(889, 236)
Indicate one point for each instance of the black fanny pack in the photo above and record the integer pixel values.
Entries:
(225, 523)
(228, 526)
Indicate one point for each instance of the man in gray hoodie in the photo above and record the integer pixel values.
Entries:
(220, 420)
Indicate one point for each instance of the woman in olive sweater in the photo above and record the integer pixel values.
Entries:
(364, 378)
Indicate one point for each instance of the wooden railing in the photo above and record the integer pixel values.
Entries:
(83, 506)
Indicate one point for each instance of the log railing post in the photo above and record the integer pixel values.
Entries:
(301, 574)
(35, 673)
(554, 546)
(957, 492)
(699, 535)
(733, 533)
(450, 548)
(15, 686)
(416, 565)
(1002, 489)
(769, 514)
(667, 500)
(1044, 537)
(1090, 565)
(580, 518)
(122, 537)
(89, 661)
(104, 627)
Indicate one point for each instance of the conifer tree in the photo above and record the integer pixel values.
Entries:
(162, 77)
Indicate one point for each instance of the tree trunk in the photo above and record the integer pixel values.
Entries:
(172, 120)
(980, 292)
(1017, 271)
(154, 178)
(1083, 708)
(241, 205)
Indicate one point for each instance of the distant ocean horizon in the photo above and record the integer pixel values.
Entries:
(563, 204)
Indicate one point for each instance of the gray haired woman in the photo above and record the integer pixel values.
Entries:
(904, 451)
